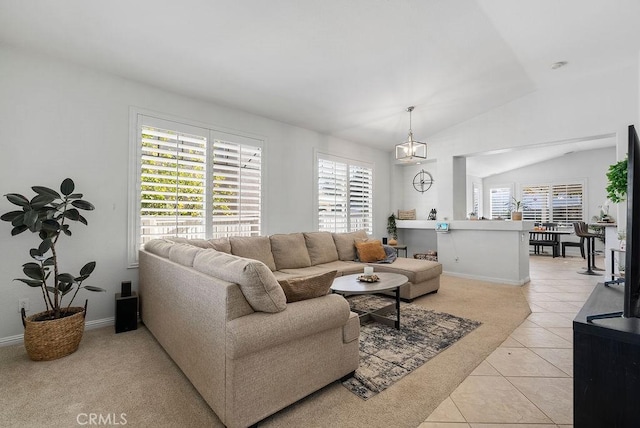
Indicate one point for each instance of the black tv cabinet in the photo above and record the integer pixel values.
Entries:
(606, 363)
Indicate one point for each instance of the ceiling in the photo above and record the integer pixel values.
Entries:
(344, 68)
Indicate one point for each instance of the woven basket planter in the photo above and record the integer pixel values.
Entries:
(52, 339)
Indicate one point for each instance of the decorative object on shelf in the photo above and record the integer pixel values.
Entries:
(432, 214)
(516, 207)
(57, 331)
(368, 278)
(407, 214)
(473, 216)
(392, 229)
(422, 181)
(617, 185)
(411, 150)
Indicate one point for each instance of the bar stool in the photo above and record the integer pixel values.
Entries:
(582, 230)
(580, 244)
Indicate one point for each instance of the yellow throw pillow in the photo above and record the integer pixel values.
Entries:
(370, 251)
(307, 287)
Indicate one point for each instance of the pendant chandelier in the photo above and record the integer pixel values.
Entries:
(411, 150)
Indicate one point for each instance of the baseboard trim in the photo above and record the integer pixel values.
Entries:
(89, 325)
(488, 278)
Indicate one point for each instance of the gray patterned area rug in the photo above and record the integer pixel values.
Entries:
(387, 354)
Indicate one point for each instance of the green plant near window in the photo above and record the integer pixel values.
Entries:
(617, 186)
(392, 229)
(516, 205)
(47, 214)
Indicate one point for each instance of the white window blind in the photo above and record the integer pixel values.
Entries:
(345, 196)
(476, 199)
(360, 198)
(237, 189)
(567, 203)
(500, 197)
(192, 182)
(172, 184)
(535, 199)
(561, 203)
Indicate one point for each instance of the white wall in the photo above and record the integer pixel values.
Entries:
(59, 120)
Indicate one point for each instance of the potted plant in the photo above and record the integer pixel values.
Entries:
(57, 331)
(617, 186)
(516, 208)
(392, 229)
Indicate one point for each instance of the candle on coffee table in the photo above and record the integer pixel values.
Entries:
(368, 271)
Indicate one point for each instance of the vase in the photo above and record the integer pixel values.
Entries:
(393, 241)
(516, 215)
(56, 338)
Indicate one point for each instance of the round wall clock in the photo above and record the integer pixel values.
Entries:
(422, 181)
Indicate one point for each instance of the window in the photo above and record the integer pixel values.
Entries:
(192, 182)
(567, 203)
(500, 198)
(345, 195)
(535, 201)
(556, 203)
(475, 199)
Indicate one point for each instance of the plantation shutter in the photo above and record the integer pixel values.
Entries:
(567, 203)
(361, 198)
(172, 184)
(535, 199)
(476, 199)
(237, 184)
(332, 196)
(500, 198)
(345, 195)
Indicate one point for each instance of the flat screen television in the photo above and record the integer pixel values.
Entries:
(632, 267)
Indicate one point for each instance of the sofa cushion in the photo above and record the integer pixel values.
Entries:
(253, 247)
(345, 244)
(159, 247)
(370, 251)
(289, 251)
(343, 268)
(256, 281)
(201, 243)
(307, 287)
(416, 271)
(321, 247)
(183, 254)
(221, 244)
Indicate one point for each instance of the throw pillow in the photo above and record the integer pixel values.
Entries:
(370, 251)
(308, 287)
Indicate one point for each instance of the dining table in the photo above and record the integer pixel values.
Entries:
(551, 238)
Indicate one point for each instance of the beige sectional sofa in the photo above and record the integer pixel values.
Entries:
(217, 309)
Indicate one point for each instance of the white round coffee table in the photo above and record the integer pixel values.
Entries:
(349, 285)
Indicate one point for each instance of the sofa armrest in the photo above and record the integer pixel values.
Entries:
(260, 330)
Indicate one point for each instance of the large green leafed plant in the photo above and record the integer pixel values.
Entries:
(48, 214)
(617, 186)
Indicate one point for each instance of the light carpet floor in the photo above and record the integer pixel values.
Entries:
(130, 374)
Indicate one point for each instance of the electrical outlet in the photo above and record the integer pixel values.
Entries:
(23, 303)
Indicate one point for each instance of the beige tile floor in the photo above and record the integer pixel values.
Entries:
(528, 380)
